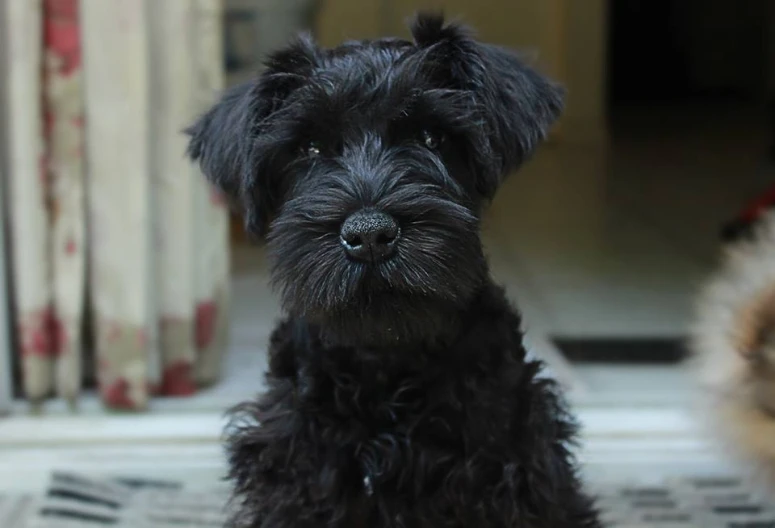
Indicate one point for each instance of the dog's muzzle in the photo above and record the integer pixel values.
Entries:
(369, 236)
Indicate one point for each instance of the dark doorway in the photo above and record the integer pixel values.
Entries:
(674, 50)
(647, 61)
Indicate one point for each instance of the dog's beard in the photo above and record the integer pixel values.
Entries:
(415, 295)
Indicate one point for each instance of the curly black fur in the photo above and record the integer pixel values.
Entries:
(399, 392)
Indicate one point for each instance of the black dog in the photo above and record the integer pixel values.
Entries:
(399, 392)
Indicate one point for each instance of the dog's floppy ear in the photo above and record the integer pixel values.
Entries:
(220, 139)
(516, 103)
(227, 140)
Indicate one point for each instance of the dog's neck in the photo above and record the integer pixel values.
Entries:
(405, 356)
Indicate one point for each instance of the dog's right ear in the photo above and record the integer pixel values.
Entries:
(219, 140)
(227, 140)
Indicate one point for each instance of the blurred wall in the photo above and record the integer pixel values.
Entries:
(568, 37)
(585, 58)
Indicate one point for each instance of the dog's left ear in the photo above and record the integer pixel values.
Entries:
(522, 104)
(517, 104)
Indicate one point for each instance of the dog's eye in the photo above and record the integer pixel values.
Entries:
(430, 140)
(312, 149)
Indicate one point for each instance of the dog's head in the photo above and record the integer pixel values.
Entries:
(366, 167)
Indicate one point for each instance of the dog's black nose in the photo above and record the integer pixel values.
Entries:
(369, 235)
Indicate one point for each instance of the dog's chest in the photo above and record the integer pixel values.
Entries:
(401, 443)
(394, 456)
(397, 466)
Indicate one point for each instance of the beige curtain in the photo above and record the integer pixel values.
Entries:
(112, 229)
(29, 229)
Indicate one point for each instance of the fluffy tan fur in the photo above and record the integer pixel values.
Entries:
(733, 345)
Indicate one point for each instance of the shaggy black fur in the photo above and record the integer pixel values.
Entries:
(399, 392)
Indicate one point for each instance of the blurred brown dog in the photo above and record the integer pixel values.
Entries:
(733, 345)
